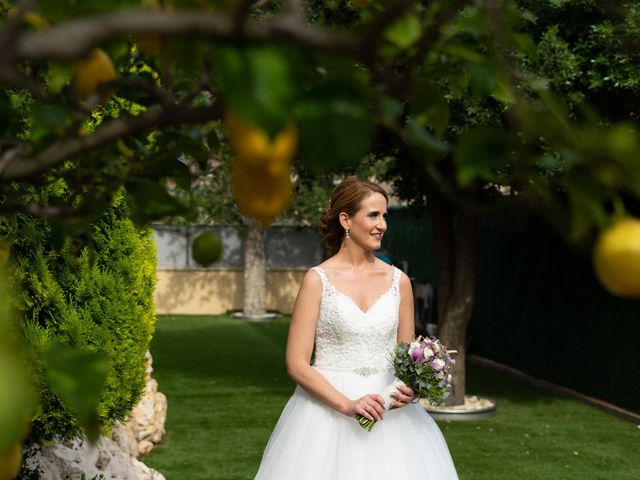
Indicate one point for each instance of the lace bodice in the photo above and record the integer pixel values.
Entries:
(347, 337)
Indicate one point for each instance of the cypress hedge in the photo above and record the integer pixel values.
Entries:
(93, 292)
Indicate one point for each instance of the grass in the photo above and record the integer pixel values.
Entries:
(226, 386)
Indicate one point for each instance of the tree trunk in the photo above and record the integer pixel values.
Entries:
(255, 271)
(455, 282)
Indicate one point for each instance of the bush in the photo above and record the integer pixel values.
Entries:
(95, 292)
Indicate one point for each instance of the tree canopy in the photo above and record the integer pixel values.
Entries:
(480, 94)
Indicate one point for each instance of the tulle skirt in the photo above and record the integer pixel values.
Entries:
(314, 442)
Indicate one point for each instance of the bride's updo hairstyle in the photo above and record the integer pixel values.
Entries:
(345, 197)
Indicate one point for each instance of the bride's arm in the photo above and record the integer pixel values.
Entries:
(406, 329)
(300, 346)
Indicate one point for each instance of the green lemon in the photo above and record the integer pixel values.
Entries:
(206, 249)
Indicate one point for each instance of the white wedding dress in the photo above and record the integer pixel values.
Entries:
(311, 441)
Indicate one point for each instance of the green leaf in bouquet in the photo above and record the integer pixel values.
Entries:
(78, 378)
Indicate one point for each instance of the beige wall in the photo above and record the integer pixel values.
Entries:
(214, 292)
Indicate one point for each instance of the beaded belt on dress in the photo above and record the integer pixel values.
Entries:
(362, 371)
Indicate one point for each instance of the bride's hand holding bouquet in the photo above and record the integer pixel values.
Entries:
(423, 365)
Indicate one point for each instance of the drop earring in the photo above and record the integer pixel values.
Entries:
(346, 232)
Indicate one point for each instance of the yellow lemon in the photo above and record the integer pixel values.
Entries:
(91, 71)
(251, 145)
(10, 462)
(206, 248)
(259, 194)
(616, 258)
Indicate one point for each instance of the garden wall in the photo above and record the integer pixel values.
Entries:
(185, 288)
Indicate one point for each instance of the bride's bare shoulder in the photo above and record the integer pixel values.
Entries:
(311, 280)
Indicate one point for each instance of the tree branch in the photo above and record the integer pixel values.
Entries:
(46, 211)
(20, 167)
(76, 38)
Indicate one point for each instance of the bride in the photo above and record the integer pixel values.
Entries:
(353, 308)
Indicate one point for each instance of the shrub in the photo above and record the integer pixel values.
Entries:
(94, 292)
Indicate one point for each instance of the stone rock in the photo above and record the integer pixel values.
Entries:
(124, 437)
(116, 457)
(70, 460)
(145, 446)
(147, 419)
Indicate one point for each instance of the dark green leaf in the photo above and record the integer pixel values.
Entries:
(335, 126)
(78, 378)
(257, 83)
(430, 147)
(429, 106)
(47, 120)
(405, 31)
(480, 152)
(150, 201)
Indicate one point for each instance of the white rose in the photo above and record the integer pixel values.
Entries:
(437, 364)
(440, 375)
(414, 345)
(428, 353)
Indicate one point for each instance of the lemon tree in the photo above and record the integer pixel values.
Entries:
(469, 100)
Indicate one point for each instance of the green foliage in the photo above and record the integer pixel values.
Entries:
(94, 294)
(532, 119)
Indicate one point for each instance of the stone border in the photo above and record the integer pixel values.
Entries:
(557, 389)
(438, 413)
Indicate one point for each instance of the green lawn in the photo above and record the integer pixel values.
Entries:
(226, 386)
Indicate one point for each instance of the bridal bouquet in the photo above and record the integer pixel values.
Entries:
(423, 365)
